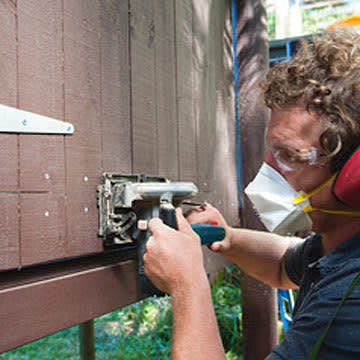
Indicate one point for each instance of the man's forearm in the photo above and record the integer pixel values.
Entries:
(260, 254)
(195, 333)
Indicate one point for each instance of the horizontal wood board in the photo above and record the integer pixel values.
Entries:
(62, 300)
(147, 86)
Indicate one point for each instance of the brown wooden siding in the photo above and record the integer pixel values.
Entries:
(148, 87)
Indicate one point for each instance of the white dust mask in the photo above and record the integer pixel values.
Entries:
(282, 209)
(273, 197)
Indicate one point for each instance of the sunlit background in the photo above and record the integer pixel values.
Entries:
(292, 18)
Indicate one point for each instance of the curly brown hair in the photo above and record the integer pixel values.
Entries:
(324, 76)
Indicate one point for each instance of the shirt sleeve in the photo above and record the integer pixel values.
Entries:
(294, 261)
(299, 255)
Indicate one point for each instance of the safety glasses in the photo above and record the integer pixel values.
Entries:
(289, 158)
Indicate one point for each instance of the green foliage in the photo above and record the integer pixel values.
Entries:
(281, 331)
(139, 331)
(226, 293)
(311, 21)
(62, 345)
(271, 25)
(143, 330)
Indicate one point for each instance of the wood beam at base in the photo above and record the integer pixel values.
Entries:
(29, 311)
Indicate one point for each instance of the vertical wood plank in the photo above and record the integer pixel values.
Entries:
(42, 163)
(8, 70)
(82, 224)
(204, 92)
(143, 94)
(82, 93)
(82, 108)
(115, 87)
(215, 108)
(42, 228)
(9, 220)
(9, 235)
(9, 162)
(41, 91)
(223, 150)
(40, 57)
(184, 89)
(165, 73)
(8, 95)
(41, 157)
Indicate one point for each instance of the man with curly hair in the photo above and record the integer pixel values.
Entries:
(314, 129)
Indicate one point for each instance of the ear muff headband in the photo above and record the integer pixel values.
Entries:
(347, 184)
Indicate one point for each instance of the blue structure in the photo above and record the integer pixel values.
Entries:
(236, 102)
(286, 306)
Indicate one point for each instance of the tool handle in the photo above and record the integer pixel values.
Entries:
(168, 216)
(209, 233)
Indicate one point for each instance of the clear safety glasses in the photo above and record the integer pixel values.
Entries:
(289, 158)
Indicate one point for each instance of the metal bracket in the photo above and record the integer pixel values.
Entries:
(13, 120)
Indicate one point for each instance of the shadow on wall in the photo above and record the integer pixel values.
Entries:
(214, 103)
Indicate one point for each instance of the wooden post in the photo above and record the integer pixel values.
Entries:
(259, 300)
(87, 340)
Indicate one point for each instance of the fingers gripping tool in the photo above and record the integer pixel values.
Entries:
(125, 201)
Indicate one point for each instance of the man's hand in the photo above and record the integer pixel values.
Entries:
(173, 259)
(210, 215)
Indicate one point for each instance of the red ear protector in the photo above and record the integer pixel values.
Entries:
(347, 183)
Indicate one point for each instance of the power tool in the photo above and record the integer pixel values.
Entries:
(127, 202)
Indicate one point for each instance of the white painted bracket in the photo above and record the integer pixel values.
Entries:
(13, 120)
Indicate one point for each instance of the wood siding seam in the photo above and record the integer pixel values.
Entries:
(102, 165)
(18, 136)
(176, 93)
(65, 119)
(196, 127)
(153, 31)
(132, 166)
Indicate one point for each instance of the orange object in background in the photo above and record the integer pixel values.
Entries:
(351, 21)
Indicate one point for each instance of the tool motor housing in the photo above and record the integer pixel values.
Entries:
(123, 200)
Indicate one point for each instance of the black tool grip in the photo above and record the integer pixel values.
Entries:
(168, 215)
(147, 286)
(208, 234)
